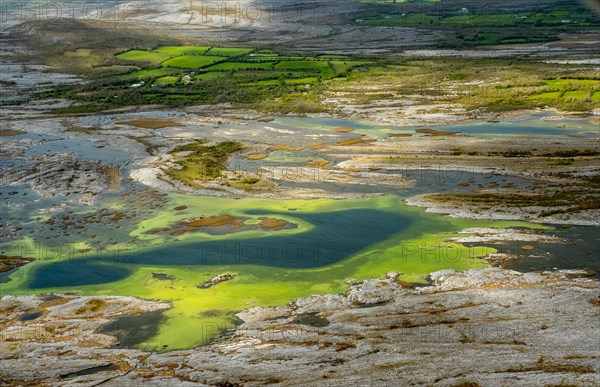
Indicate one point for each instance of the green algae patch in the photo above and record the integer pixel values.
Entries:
(334, 241)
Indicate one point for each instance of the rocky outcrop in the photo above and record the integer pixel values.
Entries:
(9, 263)
(483, 327)
(216, 280)
(63, 175)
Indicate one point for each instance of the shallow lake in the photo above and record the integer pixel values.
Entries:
(124, 244)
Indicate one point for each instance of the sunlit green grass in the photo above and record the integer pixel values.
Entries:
(182, 50)
(343, 66)
(558, 84)
(169, 80)
(144, 56)
(228, 51)
(301, 81)
(192, 61)
(151, 73)
(321, 66)
(233, 66)
(548, 96)
(211, 75)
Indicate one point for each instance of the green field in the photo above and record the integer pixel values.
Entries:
(479, 19)
(192, 61)
(550, 96)
(558, 84)
(210, 76)
(569, 90)
(182, 50)
(301, 81)
(268, 82)
(576, 94)
(290, 82)
(165, 81)
(340, 67)
(313, 66)
(264, 68)
(151, 73)
(474, 23)
(144, 56)
(229, 51)
(301, 65)
(286, 82)
(233, 66)
(258, 75)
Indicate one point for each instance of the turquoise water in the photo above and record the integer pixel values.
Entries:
(330, 241)
(535, 124)
(92, 251)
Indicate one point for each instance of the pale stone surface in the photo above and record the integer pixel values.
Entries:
(486, 326)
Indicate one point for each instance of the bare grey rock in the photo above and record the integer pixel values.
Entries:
(375, 292)
(61, 175)
(485, 326)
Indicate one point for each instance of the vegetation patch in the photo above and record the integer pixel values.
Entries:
(222, 224)
(201, 162)
(234, 66)
(81, 129)
(256, 156)
(210, 76)
(434, 132)
(151, 73)
(144, 56)
(229, 51)
(182, 50)
(288, 148)
(320, 67)
(566, 201)
(167, 81)
(353, 141)
(310, 319)
(149, 124)
(475, 24)
(215, 221)
(92, 306)
(156, 71)
(192, 61)
(525, 84)
(273, 223)
(8, 263)
(10, 132)
(345, 129)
